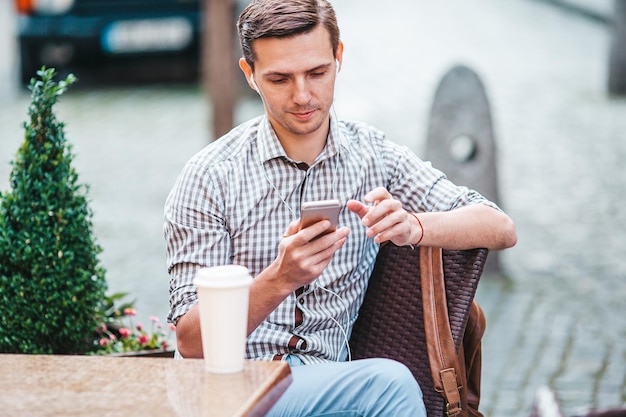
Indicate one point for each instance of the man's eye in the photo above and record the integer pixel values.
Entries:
(318, 74)
(277, 80)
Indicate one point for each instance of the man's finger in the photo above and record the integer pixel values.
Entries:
(292, 228)
(377, 194)
(357, 207)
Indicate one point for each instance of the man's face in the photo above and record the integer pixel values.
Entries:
(296, 79)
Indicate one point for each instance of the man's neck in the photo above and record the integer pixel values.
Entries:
(304, 148)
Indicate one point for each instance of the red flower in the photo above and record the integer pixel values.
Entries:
(124, 332)
(143, 339)
(129, 311)
(104, 341)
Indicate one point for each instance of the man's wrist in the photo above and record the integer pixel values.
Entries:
(420, 230)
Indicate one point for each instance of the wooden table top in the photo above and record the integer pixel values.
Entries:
(64, 385)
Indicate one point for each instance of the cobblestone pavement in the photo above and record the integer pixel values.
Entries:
(558, 318)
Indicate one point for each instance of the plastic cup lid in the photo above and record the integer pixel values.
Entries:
(223, 276)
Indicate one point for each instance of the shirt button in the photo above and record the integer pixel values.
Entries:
(301, 301)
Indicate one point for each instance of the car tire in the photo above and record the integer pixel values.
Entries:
(28, 64)
(617, 54)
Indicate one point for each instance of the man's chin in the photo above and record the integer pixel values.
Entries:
(299, 129)
(308, 126)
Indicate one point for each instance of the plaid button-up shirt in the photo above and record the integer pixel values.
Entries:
(235, 198)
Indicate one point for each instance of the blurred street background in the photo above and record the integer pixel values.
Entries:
(558, 316)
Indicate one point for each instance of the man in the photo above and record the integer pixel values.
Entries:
(237, 202)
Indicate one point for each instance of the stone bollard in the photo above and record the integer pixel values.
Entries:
(460, 138)
(617, 54)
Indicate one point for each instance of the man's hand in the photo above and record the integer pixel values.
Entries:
(303, 255)
(386, 220)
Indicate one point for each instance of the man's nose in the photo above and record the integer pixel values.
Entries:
(301, 93)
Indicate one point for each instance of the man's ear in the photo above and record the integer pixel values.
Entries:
(247, 71)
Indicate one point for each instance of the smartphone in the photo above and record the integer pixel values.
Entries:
(313, 211)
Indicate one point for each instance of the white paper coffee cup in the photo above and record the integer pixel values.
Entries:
(223, 294)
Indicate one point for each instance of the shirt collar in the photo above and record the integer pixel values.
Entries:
(270, 147)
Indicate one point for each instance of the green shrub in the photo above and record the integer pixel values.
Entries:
(51, 284)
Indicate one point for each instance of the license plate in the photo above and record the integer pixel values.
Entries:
(150, 35)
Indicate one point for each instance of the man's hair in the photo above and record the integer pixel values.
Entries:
(283, 19)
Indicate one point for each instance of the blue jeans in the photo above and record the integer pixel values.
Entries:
(361, 388)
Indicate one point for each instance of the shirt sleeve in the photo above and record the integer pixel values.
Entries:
(423, 188)
(195, 232)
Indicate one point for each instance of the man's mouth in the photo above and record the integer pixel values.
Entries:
(303, 115)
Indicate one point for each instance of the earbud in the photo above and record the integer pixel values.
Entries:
(253, 83)
(338, 65)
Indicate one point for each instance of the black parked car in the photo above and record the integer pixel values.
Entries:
(115, 40)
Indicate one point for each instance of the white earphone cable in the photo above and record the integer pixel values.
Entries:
(344, 331)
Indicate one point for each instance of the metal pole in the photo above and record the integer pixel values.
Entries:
(617, 53)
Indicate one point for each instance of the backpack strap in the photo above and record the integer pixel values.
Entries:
(442, 353)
